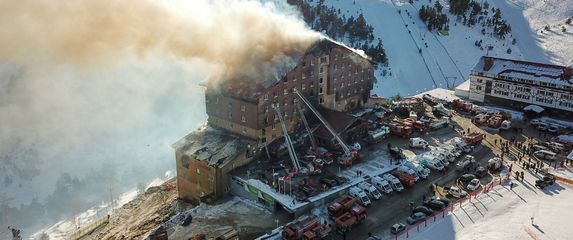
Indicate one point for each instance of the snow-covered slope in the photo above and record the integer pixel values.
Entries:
(447, 60)
(506, 213)
(529, 17)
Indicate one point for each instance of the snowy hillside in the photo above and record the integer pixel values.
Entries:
(447, 60)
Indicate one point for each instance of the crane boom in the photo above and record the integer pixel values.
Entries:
(345, 147)
(288, 141)
(312, 141)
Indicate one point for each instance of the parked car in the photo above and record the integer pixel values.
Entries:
(466, 178)
(473, 185)
(445, 201)
(415, 217)
(435, 205)
(397, 228)
(423, 209)
(548, 179)
(457, 192)
(480, 172)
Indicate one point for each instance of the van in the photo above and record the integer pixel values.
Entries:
(420, 171)
(418, 143)
(428, 160)
(458, 142)
(394, 182)
(360, 196)
(544, 154)
(381, 184)
(406, 170)
(370, 190)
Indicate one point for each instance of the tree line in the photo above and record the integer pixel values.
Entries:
(334, 24)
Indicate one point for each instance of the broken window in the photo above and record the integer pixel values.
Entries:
(243, 119)
(323, 60)
(321, 100)
(320, 80)
(320, 90)
(321, 70)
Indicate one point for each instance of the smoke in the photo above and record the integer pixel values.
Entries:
(104, 87)
(245, 39)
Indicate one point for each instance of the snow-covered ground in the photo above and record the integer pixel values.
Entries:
(447, 60)
(506, 214)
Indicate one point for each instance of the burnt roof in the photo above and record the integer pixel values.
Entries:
(252, 89)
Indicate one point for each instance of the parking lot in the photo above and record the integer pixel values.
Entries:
(394, 208)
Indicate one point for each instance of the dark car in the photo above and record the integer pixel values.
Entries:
(328, 181)
(397, 228)
(423, 209)
(435, 205)
(480, 172)
(466, 178)
(415, 217)
(445, 201)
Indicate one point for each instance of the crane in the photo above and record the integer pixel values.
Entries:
(288, 141)
(349, 155)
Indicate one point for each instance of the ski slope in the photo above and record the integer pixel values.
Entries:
(447, 60)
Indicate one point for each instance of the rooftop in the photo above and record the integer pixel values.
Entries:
(214, 146)
(252, 89)
(552, 74)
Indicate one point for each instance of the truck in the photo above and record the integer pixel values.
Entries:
(306, 227)
(381, 184)
(400, 130)
(370, 190)
(360, 195)
(441, 110)
(409, 171)
(341, 205)
(354, 216)
(462, 105)
(394, 182)
(405, 179)
(440, 123)
(473, 139)
(418, 143)
(377, 135)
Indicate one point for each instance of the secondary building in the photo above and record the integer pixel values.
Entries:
(517, 84)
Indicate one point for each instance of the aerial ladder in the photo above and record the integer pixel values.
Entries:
(312, 140)
(349, 155)
(288, 142)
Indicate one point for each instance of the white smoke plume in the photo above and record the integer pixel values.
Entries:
(86, 83)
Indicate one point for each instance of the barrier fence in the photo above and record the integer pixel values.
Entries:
(447, 210)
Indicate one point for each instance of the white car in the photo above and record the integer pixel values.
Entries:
(474, 184)
(457, 192)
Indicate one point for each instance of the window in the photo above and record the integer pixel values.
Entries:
(285, 91)
(266, 97)
(335, 79)
(320, 90)
(276, 94)
(336, 56)
(321, 100)
(198, 171)
(304, 63)
(285, 79)
(335, 66)
(242, 108)
(266, 108)
(323, 60)
(320, 80)
(303, 86)
(321, 70)
(303, 76)
(312, 62)
(243, 119)
(230, 115)
(294, 78)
